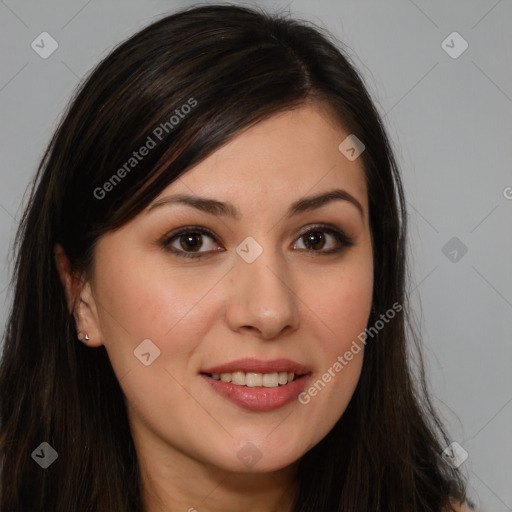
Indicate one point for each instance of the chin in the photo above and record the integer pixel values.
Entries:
(261, 454)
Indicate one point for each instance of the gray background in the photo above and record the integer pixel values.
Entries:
(450, 120)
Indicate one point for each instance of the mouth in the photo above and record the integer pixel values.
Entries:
(258, 385)
(255, 379)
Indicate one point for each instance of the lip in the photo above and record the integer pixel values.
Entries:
(259, 366)
(258, 399)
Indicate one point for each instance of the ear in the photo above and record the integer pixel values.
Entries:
(79, 298)
(70, 282)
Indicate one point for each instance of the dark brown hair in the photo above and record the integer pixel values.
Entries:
(240, 66)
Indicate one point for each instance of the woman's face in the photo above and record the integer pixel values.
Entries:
(271, 293)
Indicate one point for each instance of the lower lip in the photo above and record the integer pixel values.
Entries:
(259, 398)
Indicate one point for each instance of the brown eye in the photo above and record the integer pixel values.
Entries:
(191, 242)
(315, 240)
(188, 242)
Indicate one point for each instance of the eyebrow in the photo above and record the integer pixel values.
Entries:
(225, 209)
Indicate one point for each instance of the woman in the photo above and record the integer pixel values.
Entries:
(219, 221)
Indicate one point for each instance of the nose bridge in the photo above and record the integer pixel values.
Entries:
(263, 296)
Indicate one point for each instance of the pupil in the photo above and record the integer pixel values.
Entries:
(315, 238)
(189, 242)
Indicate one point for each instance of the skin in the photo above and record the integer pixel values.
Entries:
(291, 302)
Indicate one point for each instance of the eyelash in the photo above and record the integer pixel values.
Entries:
(339, 236)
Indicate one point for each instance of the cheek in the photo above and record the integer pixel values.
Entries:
(348, 305)
(339, 314)
(143, 300)
(143, 297)
(340, 301)
(147, 298)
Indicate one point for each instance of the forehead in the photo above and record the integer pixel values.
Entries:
(286, 155)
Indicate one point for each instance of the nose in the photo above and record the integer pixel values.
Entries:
(262, 299)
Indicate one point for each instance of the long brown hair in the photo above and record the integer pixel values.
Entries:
(239, 66)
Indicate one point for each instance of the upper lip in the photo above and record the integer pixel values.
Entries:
(259, 366)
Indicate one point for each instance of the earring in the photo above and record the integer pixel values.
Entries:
(82, 338)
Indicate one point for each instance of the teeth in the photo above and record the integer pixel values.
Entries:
(238, 378)
(253, 379)
(270, 380)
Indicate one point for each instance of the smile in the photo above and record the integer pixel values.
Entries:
(253, 379)
(258, 385)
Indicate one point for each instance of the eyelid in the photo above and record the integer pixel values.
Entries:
(176, 233)
(339, 234)
(328, 228)
(187, 229)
